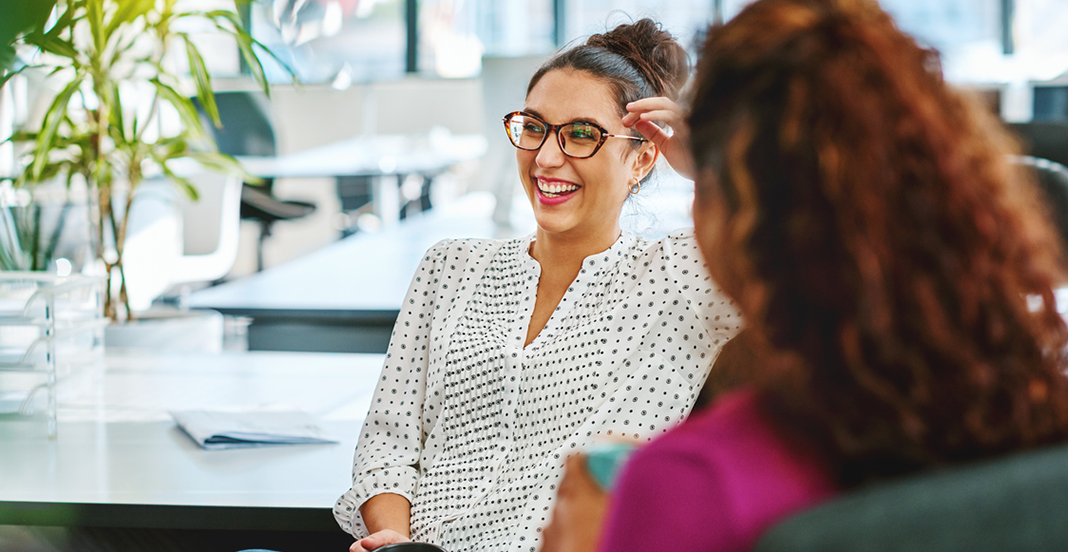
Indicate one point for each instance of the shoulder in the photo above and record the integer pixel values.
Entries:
(735, 445)
(678, 246)
(469, 250)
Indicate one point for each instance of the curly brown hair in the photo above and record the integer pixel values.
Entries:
(884, 250)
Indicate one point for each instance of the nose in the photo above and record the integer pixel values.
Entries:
(550, 154)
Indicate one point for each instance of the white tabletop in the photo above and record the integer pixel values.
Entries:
(372, 155)
(365, 273)
(117, 446)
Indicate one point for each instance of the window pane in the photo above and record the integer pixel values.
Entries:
(333, 40)
(455, 34)
(686, 19)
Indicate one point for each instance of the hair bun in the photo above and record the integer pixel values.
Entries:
(653, 51)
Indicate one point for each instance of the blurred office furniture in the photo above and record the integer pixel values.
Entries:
(1052, 178)
(1015, 502)
(1050, 102)
(1044, 139)
(172, 239)
(120, 464)
(247, 130)
(385, 161)
(211, 229)
(346, 296)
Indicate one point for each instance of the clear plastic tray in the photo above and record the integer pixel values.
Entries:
(49, 326)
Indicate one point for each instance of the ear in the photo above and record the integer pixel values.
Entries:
(645, 161)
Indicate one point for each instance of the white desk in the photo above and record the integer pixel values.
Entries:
(375, 155)
(380, 155)
(346, 296)
(119, 460)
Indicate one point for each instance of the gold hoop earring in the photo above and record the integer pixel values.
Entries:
(636, 187)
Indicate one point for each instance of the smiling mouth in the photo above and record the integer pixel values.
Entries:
(555, 189)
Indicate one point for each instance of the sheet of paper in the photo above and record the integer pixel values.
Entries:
(216, 429)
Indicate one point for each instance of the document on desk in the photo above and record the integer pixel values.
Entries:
(217, 429)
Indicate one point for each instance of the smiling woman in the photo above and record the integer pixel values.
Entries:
(512, 354)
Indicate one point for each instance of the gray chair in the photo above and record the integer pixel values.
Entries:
(1052, 179)
(1044, 139)
(1014, 503)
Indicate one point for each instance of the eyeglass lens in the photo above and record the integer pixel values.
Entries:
(576, 139)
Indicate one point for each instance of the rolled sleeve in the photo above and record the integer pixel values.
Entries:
(388, 452)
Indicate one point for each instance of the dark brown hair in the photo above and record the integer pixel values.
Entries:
(882, 247)
(639, 60)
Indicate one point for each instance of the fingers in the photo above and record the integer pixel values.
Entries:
(653, 109)
(653, 133)
(376, 540)
(578, 481)
(661, 115)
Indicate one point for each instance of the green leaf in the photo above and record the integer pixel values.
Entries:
(170, 148)
(22, 136)
(55, 114)
(244, 43)
(19, 17)
(202, 80)
(117, 122)
(7, 76)
(183, 183)
(95, 15)
(186, 110)
(129, 10)
(55, 45)
(223, 163)
(64, 21)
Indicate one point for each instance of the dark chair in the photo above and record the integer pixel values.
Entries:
(1048, 139)
(247, 130)
(1052, 178)
(1050, 102)
(1017, 502)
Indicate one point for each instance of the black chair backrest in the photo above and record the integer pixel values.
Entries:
(246, 129)
(1048, 140)
(1017, 502)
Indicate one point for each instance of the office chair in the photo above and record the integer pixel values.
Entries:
(1052, 178)
(247, 130)
(1044, 139)
(1015, 502)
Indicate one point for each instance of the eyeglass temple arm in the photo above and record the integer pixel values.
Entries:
(627, 137)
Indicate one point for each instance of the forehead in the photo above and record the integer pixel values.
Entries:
(565, 95)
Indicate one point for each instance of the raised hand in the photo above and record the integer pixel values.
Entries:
(674, 145)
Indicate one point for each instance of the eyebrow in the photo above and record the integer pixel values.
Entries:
(573, 120)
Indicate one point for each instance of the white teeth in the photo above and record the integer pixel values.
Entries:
(555, 189)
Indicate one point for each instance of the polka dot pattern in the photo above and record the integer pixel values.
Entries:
(473, 428)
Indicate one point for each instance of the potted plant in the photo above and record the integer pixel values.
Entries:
(113, 64)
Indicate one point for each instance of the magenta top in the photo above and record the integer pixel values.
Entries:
(715, 483)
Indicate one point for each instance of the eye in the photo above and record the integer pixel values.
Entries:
(533, 127)
(583, 132)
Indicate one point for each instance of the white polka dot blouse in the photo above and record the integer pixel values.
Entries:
(472, 427)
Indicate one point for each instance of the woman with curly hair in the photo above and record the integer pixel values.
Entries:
(890, 264)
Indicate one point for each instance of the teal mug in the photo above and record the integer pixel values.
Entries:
(605, 460)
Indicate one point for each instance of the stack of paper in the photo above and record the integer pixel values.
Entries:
(221, 429)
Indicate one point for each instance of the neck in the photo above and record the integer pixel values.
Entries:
(565, 253)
